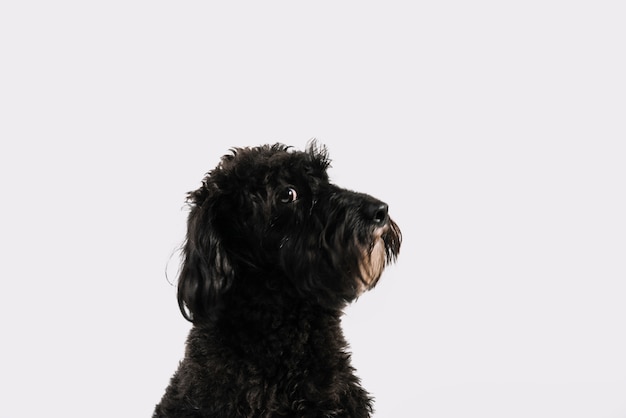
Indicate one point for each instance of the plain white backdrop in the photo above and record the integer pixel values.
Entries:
(496, 131)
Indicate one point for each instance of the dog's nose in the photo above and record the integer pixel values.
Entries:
(377, 212)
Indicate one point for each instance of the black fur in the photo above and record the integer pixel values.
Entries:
(273, 254)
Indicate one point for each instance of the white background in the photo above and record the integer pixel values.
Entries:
(494, 130)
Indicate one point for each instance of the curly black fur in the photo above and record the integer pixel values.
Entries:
(273, 254)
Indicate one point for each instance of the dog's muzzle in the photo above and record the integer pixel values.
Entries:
(381, 249)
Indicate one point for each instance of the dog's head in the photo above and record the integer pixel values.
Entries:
(268, 218)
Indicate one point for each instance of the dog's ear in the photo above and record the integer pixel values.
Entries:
(206, 272)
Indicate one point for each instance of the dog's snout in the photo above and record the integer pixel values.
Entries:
(377, 212)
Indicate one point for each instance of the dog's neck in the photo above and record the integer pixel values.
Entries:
(264, 326)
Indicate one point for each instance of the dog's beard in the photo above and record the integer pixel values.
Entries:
(373, 262)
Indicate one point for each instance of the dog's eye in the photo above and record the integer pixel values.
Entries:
(288, 195)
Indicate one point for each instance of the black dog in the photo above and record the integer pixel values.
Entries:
(273, 254)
